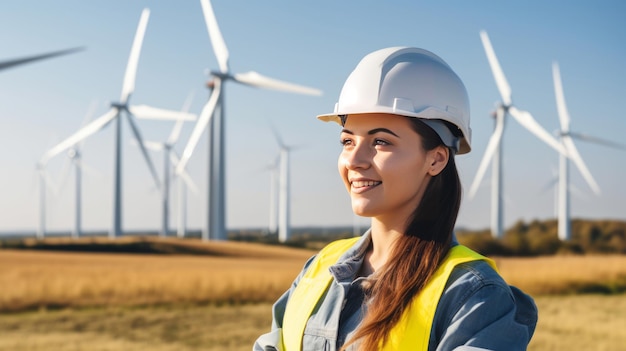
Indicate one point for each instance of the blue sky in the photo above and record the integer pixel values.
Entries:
(315, 44)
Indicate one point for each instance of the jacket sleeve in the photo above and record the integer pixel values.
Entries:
(480, 311)
(271, 341)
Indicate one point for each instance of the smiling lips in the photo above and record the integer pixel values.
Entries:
(360, 186)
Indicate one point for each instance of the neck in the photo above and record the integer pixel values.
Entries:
(383, 238)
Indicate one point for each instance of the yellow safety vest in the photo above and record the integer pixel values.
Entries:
(412, 331)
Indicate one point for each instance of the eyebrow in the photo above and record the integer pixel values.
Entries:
(373, 131)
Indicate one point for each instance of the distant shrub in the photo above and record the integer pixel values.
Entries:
(538, 238)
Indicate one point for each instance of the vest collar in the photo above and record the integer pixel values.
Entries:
(346, 268)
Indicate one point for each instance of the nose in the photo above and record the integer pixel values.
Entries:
(356, 157)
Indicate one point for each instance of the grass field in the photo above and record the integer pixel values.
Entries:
(219, 297)
(576, 322)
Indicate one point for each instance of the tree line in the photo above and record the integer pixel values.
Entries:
(534, 238)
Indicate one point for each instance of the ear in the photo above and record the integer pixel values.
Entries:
(438, 158)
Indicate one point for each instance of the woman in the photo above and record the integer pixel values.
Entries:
(405, 284)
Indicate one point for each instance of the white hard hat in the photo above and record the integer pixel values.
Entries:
(409, 82)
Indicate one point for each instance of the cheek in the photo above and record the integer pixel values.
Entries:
(341, 167)
(409, 172)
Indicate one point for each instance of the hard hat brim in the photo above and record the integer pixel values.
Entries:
(464, 147)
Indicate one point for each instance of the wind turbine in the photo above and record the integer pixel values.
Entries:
(493, 153)
(170, 157)
(284, 196)
(45, 182)
(566, 135)
(115, 113)
(75, 159)
(23, 60)
(212, 115)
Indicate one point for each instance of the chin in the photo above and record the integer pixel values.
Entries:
(361, 211)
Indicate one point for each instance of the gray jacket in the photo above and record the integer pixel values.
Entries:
(478, 310)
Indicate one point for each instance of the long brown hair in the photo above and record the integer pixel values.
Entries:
(416, 254)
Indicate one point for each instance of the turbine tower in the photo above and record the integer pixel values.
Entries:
(44, 182)
(115, 113)
(493, 153)
(274, 169)
(213, 117)
(566, 135)
(284, 196)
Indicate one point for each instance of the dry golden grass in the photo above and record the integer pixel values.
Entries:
(577, 322)
(178, 295)
(133, 329)
(566, 274)
(242, 273)
(580, 322)
(231, 272)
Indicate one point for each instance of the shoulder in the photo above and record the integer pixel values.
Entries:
(475, 275)
(474, 282)
(478, 303)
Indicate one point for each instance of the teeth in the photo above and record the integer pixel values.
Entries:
(360, 184)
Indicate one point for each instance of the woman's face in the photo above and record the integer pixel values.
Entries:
(384, 166)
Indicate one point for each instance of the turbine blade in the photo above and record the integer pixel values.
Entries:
(175, 133)
(144, 151)
(279, 140)
(178, 126)
(527, 121)
(498, 74)
(50, 184)
(81, 134)
(560, 98)
(88, 117)
(549, 185)
(580, 164)
(255, 79)
(276, 163)
(578, 193)
(188, 101)
(201, 124)
(133, 59)
(151, 145)
(23, 60)
(217, 41)
(65, 172)
(597, 140)
(148, 112)
(88, 169)
(494, 142)
(184, 175)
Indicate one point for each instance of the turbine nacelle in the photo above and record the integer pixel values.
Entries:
(120, 106)
(220, 75)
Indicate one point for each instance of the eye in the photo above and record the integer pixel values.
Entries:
(345, 141)
(381, 142)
